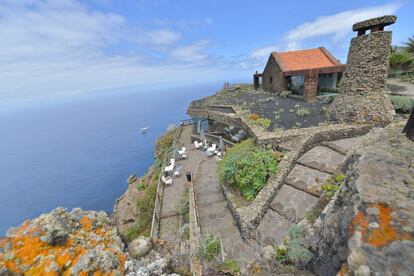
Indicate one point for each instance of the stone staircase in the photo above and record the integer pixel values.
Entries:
(216, 218)
(302, 188)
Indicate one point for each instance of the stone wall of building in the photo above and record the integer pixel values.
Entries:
(363, 98)
(310, 87)
(369, 228)
(273, 79)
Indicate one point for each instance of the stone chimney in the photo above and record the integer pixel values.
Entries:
(363, 98)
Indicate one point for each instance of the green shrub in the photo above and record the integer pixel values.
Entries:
(403, 104)
(330, 189)
(210, 247)
(400, 59)
(247, 168)
(298, 251)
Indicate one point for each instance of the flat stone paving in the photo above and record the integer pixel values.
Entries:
(292, 203)
(322, 159)
(215, 216)
(307, 179)
(344, 145)
(272, 229)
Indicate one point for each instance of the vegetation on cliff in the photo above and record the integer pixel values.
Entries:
(144, 202)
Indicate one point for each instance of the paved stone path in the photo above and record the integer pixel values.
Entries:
(170, 220)
(302, 188)
(215, 216)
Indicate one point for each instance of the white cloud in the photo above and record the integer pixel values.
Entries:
(190, 53)
(53, 48)
(339, 24)
(264, 52)
(163, 37)
(335, 27)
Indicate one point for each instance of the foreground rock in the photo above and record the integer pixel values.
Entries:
(62, 242)
(369, 228)
(75, 243)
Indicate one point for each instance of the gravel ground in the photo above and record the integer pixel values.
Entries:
(282, 111)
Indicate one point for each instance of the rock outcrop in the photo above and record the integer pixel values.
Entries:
(63, 243)
(76, 243)
(125, 212)
(369, 227)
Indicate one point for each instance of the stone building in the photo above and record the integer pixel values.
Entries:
(364, 99)
(302, 72)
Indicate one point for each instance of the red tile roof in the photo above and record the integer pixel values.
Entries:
(305, 59)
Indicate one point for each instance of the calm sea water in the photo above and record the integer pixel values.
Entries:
(80, 153)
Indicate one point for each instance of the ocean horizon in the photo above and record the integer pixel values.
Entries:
(79, 153)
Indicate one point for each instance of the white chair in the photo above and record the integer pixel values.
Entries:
(211, 150)
(167, 181)
(198, 144)
(182, 151)
(171, 166)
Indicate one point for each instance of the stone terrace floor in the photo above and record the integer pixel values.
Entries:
(281, 110)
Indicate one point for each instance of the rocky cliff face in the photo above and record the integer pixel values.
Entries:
(125, 211)
(369, 228)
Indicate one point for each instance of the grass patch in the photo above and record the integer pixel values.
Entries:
(183, 206)
(247, 168)
(210, 248)
(230, 267)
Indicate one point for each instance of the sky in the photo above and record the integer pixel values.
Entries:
(51, 49)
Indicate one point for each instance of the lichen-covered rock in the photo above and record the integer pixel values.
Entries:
(63, 243)
(369, 228)
(140, 247)
(151, 265)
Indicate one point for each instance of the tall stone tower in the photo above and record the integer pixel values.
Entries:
(363, 99)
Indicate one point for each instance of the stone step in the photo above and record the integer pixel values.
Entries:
(307, 179)
(272, 229)
(292, 203)
(322, 159)
(344, 145)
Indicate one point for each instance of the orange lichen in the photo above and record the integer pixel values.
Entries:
(382, 235)
(32, 256)
(344, 270)
(86, 223)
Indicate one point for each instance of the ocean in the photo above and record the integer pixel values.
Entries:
(79, 153)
